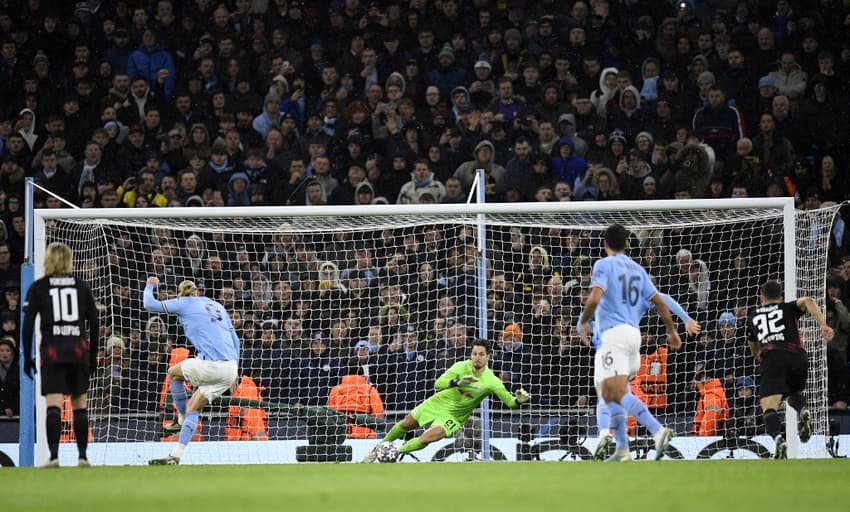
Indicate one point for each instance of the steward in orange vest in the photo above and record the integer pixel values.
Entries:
(354, 395)
(67, 435)
(244, 423)
(713, 408)
(652, 375)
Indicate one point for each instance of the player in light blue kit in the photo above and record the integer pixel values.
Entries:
(620, 292)
(603, 418)
(212, 371)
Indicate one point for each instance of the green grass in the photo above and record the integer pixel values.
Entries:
(691, 486)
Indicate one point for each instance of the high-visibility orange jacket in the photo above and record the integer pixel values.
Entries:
(67, 435)
(653, 378)
(245, 423)
(178, 355)
(712, 409)
(355, 395)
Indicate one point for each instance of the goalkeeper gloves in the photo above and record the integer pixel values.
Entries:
(466, 380)
(522, 396)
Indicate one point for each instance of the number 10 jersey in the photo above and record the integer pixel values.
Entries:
(64, 304)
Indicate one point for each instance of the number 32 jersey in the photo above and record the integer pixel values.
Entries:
(64, 305)
(627, 291)
(774, 326)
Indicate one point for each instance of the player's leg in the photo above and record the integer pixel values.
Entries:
(53, 386)
(178, 396)
(440, 429)
(211, 380)
(773, 387)
(796, 384)
(613, 389)
(398, 431)
(194, 407)
(78, 381)
(603, 424)
(773, 424)
(612, 366)
(53, 422)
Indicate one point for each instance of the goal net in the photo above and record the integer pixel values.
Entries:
(329, 302)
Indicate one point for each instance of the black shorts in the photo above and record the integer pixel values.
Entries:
(783, 372)
(68, 379)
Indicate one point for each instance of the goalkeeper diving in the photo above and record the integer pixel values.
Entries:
(459, 391)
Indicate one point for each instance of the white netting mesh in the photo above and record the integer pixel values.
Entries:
(393, 298)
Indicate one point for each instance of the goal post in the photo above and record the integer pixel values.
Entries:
(388, 296)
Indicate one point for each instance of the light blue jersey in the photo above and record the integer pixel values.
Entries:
(627, 291)
(205, 323)
(674, 306)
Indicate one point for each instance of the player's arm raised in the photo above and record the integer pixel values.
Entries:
(809, 304)
(151, 303)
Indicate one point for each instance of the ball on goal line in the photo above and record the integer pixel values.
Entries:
(387, 452)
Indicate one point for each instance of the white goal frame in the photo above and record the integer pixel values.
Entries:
(41, 216)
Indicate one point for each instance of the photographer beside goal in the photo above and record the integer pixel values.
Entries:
(212, 371)
(459, 391)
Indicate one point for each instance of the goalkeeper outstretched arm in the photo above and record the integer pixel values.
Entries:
(511, 400)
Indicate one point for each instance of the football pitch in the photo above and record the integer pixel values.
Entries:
(713, 485)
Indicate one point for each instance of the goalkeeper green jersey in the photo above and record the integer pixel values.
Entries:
(459, 402)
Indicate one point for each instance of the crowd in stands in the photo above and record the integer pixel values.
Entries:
(145, 104)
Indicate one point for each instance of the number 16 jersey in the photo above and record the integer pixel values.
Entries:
(627, 291)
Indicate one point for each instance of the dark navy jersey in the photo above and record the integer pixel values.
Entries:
(69, 322)
(774, 326)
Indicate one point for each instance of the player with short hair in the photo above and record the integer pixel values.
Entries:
(621, 288)
(65, 305)
(214, 369)
(603, 418)
(777, 345)
(459, 391)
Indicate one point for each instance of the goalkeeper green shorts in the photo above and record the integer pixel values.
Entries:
(426, 414)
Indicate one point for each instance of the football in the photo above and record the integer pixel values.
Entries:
(387, 452)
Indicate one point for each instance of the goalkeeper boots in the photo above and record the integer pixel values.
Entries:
(372, 455)
(620, 456)
(662, 441)
(605, 441)
(83, 463)
(165, 461)
(52, 463)
(781, 448)
(805, 426)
